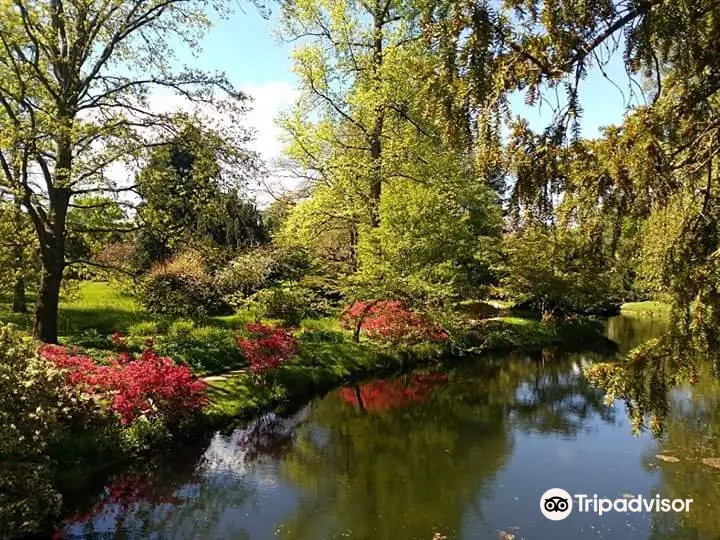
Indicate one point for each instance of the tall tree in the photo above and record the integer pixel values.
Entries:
(366, 133)
(76, 83)
(191, 194)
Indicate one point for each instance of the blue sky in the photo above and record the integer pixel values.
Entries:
(245, 48)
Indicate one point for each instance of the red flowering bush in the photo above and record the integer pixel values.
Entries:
(267, 348)
(384, 395)
(391, 321)
(149, 385)
(118, 339)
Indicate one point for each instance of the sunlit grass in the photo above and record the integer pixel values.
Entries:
(645, 308)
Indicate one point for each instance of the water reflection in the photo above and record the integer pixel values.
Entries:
(463, 453)
(629, 331)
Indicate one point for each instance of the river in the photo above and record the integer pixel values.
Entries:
(461, 453)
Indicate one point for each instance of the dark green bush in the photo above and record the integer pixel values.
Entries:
(323, 336)
(206, 349)
(90, 338)
(291, 304)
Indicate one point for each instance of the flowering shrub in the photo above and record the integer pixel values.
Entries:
(267, 348)
(391, 321)
(384, 395)
(149, 385)
(118, 340)
(182, 287)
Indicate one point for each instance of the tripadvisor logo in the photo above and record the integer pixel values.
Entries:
(557, 504)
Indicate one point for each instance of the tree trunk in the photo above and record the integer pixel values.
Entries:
(356, 332)
(45, 327)
(19, 304)
(53, 265)
(377, 130)
(52, 240)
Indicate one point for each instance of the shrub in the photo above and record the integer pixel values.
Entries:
(90, 338)
(391, 321)
(182, 287)
(148, 386)
(207, 349)
(267, 348)
(181, 328)
(30, 396)
(291, 304)
(246, 274)
(146, 328)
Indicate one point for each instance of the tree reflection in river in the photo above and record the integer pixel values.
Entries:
(189, 495)
(692, 434)
(416, 460)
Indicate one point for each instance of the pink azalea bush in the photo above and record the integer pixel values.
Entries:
(147, 386)
(267, 347)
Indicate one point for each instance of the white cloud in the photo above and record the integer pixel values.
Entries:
(269, 100)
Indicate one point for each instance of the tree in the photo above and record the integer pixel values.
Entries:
(393, 200)
(18, 253)
(190, 195)
(76, 84)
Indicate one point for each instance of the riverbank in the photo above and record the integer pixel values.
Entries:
(327, 357)
(325, 360)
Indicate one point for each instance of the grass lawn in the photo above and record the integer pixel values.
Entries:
(99, 306)
(104, 307)
(645, 308)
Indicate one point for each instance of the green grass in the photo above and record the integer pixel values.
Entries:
(516, 321)
(100, 306)
(645, 308)
(319, 366)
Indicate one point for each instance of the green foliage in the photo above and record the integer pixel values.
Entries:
(30, 401)
(19, 261)
(292, 304)
(189, 197)
(246, 274)
(207, 349)
(145, 329)
(90, 338)
(552, 271)
(182, 287)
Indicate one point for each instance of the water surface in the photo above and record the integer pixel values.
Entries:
(461, 453)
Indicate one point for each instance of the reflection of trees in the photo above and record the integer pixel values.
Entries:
(190, 495)
(382, 395)
(556, 398)
(391, 466)
(630, 331)
(692, 433)
(657, 359)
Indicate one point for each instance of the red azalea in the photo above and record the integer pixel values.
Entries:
(391, 321)
(267, 348)
(149, 385)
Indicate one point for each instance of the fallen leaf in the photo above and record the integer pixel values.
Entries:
(668, 459)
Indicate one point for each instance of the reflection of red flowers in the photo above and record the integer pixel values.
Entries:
(391, 321)
(149, 385)
(379, 396)
(267, 348)
(122, 494)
